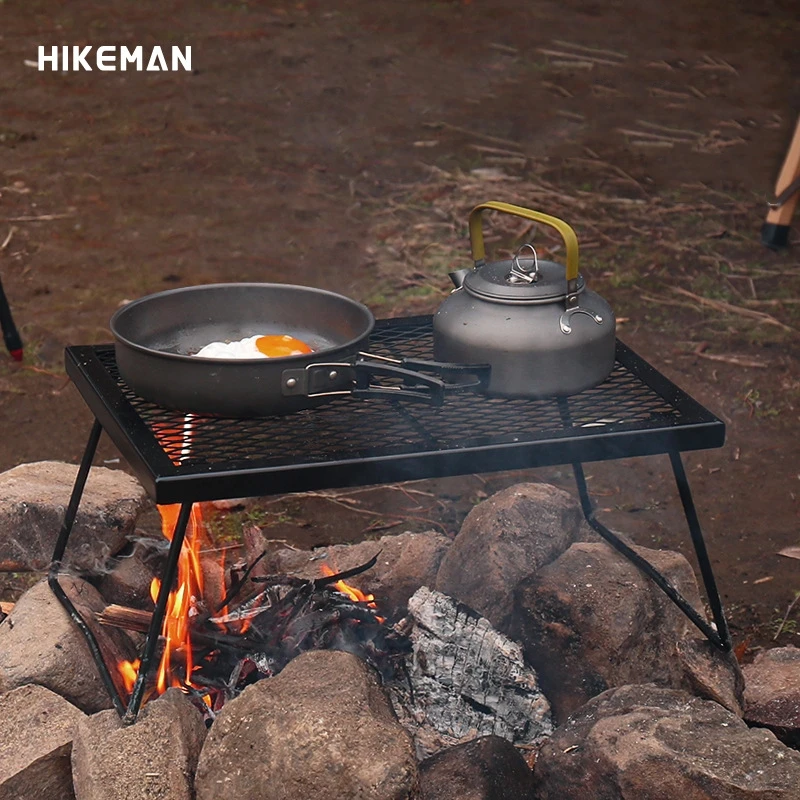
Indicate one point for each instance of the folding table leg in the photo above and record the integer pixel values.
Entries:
(58, 554)
(710, 583)
(157, 620)
(719, 637)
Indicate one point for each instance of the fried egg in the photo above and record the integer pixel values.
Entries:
(272, 346)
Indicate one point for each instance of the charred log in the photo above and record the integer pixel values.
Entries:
(467, 680)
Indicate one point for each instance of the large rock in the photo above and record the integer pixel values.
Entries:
(772, 693)
(40, 643)
(489, 768)
(591, 620)
(321, 728)
(155, 758)
(35, 747)
(648, 743)
(33, 498)
(504, 540)
(406, 561)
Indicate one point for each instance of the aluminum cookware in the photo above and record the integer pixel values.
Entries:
(534, 321)
(156, 338)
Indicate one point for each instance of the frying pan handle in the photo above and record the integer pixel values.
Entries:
(416, 385)
(567, 234)
(356, 378)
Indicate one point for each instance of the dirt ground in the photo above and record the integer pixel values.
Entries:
(341, 144)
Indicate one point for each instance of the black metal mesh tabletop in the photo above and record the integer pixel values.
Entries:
(349, 441)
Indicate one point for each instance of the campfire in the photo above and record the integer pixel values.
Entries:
(213, 647)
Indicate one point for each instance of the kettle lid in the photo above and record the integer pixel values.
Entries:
(520, 280)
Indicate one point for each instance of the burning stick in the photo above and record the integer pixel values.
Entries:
(222, 653)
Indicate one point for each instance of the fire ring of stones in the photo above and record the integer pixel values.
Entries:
(522, 659)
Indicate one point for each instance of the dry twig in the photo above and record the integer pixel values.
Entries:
(730, 308)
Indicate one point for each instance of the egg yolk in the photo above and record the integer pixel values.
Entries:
(276, 346)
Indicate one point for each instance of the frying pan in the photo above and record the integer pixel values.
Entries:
(156, 338)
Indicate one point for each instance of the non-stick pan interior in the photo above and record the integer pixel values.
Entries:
(181, 321)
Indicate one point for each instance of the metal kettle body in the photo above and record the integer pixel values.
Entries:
(538, 326)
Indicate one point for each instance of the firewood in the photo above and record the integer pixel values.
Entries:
(130, 619)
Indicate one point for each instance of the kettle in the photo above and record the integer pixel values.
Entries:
(534, 321)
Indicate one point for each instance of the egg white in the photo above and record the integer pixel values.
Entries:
(243, 348)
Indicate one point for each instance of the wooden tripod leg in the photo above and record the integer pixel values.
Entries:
(775, 231)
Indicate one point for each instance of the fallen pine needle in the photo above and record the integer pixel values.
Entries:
(8, 238)
(738, 361)
(577, 57)
(457, 129)
(659, 137)
(596, 50)
(40, 218)
(779, 302)
(499, 151)
(786, 616)
(664, 129)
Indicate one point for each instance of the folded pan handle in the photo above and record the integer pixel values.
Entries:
(407, 377)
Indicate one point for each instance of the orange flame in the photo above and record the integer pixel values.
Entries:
(353, 592)
(183, 599)
(177, 664)
(128, 671)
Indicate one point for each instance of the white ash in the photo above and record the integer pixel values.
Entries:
(467, 680)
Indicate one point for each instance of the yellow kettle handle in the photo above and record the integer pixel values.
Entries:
(567, 234)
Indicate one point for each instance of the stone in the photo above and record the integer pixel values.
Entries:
(154, 758)
(772, 693)
(502, 541)
(488, 768)
(710, 673)
(406, 561)
(38, 728)
(591, 620)
(643, 742)
(130, 573)
(40, 643)
(323, 727)
(33, 498)
(466, 679)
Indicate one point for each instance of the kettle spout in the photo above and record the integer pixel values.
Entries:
(458, 276)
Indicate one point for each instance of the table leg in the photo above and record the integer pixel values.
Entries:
(719, 637)
(710, 583)
(157, 620)
(58, 554)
